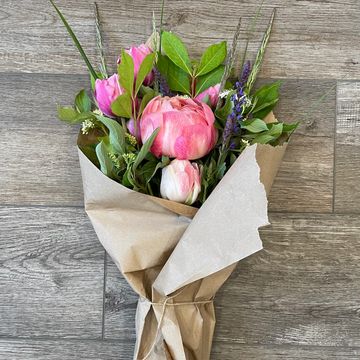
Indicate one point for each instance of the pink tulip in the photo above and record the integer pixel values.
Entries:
(138, 54)
(187, 130)
(181, 182)
(212, 92)
(106, 91)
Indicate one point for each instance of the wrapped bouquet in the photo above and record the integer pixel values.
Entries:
(171, 151)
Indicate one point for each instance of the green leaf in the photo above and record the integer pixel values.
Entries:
(116, 134)
(76, 42)
(271, 135)
(176, 51)
(223, 112)
(145, 67)
(146, 99)
(67, 114)
(254, 125)
(213, 56)
(210, 79)
(160, 165)
(126, 72)
(83, 102)
(122, 106)
(177, 79)
(145, 149)
(266, 99)
(102, 154)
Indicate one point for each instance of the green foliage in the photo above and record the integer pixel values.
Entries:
(102, 153)
(210, 79)
(145, 68)
(116, 134)
(260, 54)
(82, 102)
(254, 125)
(266, 98)
(126, 72)
(223, 112)
(76, 41)
(176, 51)
(146, 99)
(213, 56)
(122, 106)
(177, 79)
(72, 116)
(145, 149)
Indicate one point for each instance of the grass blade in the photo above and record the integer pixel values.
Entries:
(230, 60)
(250, 31)
(76, 41)
(260, 54)
(99, 42)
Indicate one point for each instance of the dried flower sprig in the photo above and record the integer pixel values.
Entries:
(99, 42)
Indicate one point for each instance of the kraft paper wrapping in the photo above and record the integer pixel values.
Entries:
(176, 257)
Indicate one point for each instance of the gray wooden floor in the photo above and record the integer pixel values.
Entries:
(62, 298)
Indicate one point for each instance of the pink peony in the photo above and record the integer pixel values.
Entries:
(212, 92)
(138, 54)
(187, 130)
(106, 91)
(181, 181)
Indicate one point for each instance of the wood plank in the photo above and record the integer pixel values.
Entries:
(347, 165)
(302, 289)
(305, 180)
(235, 351)
(16, 349)
(51, 274)
(39, 162)
(305, 43)
(49, 166)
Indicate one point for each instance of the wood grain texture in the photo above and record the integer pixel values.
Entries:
(39, 162)
(46, 151)
(108, 350)
(14, 349)
(302, 289)
(51, 274)
(347, 170)
(310, 38)
(305, 180)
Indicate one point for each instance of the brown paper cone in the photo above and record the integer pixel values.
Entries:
(175, 263)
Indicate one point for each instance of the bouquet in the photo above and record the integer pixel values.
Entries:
(177, 156)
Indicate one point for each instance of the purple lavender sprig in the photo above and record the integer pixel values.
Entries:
(163, 85)
(232, 125)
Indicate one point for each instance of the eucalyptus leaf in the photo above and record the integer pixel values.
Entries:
(126, 72)
(176, 51)
(210, 79)
(83, 102)
(145, 68)
(102, 154)
(145, 149)
(122, 106)
(213, 56)
(116, 134)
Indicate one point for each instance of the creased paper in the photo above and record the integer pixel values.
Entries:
(176, 257)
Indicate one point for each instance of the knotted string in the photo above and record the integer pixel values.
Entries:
(164, 305)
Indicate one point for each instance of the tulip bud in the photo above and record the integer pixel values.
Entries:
(106, 91)
(138, 54)
(181, 182)
(212, 93)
